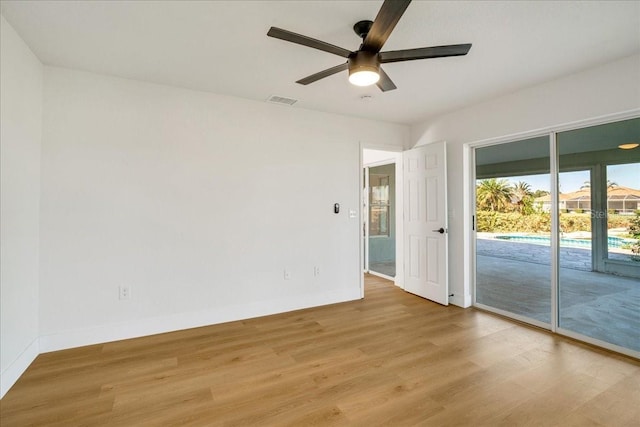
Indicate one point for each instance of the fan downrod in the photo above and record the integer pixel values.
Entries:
(362, 28)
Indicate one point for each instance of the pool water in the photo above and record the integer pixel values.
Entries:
(613, 242)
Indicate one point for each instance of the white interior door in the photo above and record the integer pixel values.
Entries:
(425, 222)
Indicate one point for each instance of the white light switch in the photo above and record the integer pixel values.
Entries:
(353, 213)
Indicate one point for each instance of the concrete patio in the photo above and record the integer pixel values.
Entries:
(515, 277)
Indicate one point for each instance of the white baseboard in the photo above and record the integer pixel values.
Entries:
(158, 325)
(10, 375)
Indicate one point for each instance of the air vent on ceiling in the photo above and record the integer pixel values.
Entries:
(281, 100)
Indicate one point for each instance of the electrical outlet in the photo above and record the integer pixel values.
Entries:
(316, 271)
(125, 292)
(287, 275)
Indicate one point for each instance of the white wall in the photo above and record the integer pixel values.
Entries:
(20, 141)
(608, 89)
(376, 156)
(197, 201)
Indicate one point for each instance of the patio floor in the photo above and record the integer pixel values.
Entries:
(515, 277)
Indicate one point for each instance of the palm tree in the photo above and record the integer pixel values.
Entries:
(522, 189)
(522, 195)
(493, 194)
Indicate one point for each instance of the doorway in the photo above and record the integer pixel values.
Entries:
(419, 215)
(381, 215)
(379, 207)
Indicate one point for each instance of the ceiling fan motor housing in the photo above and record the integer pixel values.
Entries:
(363, 61)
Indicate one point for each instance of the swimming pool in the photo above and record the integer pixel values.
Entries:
(613, 242)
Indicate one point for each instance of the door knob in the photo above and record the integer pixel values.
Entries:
(439, 230)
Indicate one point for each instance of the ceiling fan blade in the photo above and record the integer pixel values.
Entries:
(322, 74)
(383, 25)
(385, 82)
(424, 53)
(279, 33)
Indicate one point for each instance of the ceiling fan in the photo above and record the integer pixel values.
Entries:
(364, 63)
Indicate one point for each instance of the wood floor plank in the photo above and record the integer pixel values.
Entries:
(390, 359)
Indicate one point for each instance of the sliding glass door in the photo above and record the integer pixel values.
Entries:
(557, 223)
(513, 229)
(599, 273)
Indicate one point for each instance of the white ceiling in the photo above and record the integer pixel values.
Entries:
(222, 47)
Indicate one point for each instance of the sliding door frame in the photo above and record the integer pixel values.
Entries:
(469, 209)
(555, 228)
(471, 182)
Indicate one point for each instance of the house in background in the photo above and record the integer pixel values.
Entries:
(138, 153)
(623, 200)
(620, 199)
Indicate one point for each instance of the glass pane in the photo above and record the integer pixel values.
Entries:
(513, 228)
(599, 282)
(574, 204)
(382, 236)
(623, 209)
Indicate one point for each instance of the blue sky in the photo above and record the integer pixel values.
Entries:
(625, 175)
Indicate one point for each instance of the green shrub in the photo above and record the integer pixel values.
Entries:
(634, 226)
(634, 231)
(506, 222)
(619, 221)
(579, 211)
(500, 222)
(575, 222)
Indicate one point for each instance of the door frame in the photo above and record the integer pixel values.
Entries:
(399, 279)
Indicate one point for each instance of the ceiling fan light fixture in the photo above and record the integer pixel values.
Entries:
(629, 146)
(364, 69)
(364, 78)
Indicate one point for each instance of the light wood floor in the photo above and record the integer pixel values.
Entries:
(390, 359)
